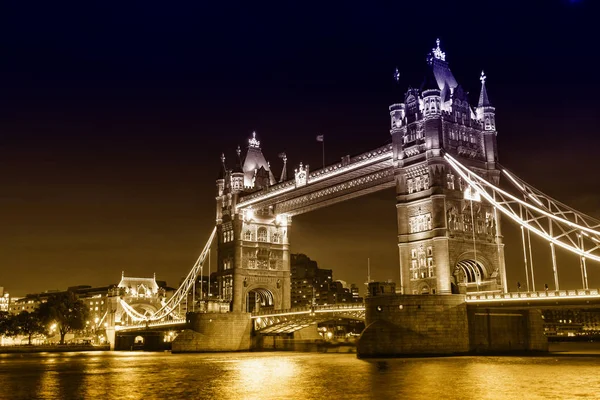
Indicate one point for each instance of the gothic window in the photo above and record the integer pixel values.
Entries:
(419, 223)
(421, 258)
(411, 186)
(467, 223)
(261, 234)
(413, 253)
(450, 181)
(430, 272)
(418, 184)
(426, 181)
(429, 251)
(248, 235)
(276, 237)
(415, 269)
(460, 183)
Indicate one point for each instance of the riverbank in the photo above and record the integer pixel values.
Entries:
(51, 348)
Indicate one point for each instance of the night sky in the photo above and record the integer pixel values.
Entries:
(113, 118)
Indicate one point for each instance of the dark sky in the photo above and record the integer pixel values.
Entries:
(113, 118)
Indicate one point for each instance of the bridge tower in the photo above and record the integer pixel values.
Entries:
(449, 241)
(253, 266)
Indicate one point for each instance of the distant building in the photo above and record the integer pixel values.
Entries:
(567, 322)
(4, 300)
(312, 285)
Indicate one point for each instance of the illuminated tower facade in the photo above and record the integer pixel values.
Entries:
(449, 241)
(253, 266)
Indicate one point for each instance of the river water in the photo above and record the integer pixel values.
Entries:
(283, 375)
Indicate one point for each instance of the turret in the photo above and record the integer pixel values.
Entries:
(257, 172)
(430, 93)
(397, 115)
(485, 112)
(221, 177)
(237, 174)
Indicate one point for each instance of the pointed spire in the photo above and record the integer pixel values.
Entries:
(484, 101)
(283, 178)
(238, 164)
(223, 169)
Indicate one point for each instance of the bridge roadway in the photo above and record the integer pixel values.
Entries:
(579, 298)
(288, 321)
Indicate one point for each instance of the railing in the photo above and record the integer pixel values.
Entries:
(308, 310)
(538, 295)
(379, 154)
(153, 324)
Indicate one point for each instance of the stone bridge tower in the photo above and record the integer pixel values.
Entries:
(253, 267)
(449, 241)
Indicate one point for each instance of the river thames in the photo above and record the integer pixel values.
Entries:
(283, 375)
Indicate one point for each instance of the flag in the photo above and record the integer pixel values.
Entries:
(320, 138)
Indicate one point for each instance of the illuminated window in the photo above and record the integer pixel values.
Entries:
(276, 237)
(411, 186)
(450, 181)
(248, 235)
(418, 186)
(262, 234)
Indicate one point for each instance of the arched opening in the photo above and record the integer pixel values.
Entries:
(138, 340)
(468, 276)
(258, 299)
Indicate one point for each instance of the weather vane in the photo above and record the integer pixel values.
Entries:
(483, 77)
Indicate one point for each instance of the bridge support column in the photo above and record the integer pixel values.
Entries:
(111, 337)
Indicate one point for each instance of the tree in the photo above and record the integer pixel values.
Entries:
(66, 311)
(5, 323)
(27, 324)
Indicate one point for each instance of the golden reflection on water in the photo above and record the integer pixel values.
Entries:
(137, 375)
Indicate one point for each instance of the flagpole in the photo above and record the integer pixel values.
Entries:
(323, 145)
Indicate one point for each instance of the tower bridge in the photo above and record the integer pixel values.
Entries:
(443, 163)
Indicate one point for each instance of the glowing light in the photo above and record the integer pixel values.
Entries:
(384, 156)
(471, 194)
(329, 335)
(437, 52)
(397, 75)
(249, 214)
(482, 78)
(460, 169)
(281, 219)
(252, 142)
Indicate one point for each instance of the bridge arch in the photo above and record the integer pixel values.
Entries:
(259, 296)
(471, 273)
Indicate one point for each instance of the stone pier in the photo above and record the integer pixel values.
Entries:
(214, 332)
(428, 325)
